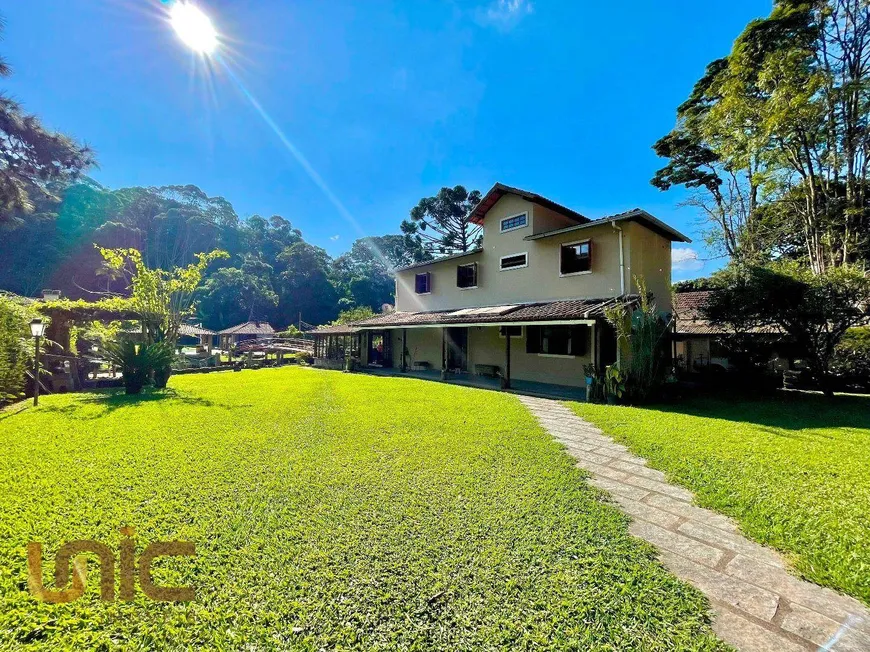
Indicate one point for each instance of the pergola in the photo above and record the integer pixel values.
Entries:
(334, 344)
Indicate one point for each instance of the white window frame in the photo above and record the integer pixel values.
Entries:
(476, 274)
(570, 244)
(510, 269)
(513, 228)
(422, 294)
(513, 337)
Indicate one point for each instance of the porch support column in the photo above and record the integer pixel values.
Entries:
(404, 348)
(443, 353)
(506, 379)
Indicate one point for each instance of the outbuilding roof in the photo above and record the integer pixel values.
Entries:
(249, 328)
(191, 330)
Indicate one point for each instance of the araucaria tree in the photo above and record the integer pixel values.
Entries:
(443, 222)
(774, 139)
(31, 158)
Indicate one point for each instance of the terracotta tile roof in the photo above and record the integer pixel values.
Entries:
(194, 331)
(544, 311)
(690, 317)
(249, 328)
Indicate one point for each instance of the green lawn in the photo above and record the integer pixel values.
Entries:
(329, 511)
(793, 471)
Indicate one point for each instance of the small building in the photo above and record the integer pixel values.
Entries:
(204, 337)
(250, 330)
(698, 344)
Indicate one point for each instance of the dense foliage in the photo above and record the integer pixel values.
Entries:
(793, 471)
(329, 511)
(785, 300)
(16, 347)
(271, 273)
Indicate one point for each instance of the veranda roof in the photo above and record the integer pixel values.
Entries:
(562, 311)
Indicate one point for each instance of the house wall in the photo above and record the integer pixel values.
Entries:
(485, 346)
(424, 344)
(540, 281)
(649, 255)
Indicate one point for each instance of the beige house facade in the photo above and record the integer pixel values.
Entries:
(526, 306)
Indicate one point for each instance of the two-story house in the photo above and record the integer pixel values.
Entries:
(528, 305)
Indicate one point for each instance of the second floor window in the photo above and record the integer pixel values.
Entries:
(514, 222)
(576, 258)
(514, 261)
(466, 276)
(423, 283)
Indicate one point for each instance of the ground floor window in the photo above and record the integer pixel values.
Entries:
(557, 340)
(513, 331)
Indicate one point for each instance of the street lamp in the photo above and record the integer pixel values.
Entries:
(37, 330)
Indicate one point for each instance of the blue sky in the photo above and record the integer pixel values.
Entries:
(388, 101)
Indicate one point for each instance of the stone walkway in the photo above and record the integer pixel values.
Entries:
(758, 604)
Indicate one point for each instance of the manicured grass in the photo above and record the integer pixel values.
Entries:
(329, 511)
(794, 471)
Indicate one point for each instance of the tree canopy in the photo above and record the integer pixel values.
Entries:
(773, 141)
(33, 159)
(442, 224)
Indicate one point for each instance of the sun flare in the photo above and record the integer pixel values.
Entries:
(193, 27)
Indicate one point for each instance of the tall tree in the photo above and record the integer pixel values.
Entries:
(783, 119)
(443, 222)
(31, 158)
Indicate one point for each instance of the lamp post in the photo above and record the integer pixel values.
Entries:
(37, 330)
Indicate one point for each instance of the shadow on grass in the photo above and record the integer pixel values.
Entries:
(783, 411)
(112, 400)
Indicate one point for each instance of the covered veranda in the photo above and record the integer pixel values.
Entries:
(542, 348)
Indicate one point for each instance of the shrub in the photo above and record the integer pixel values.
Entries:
(852, 355)
(291, 331)
(303, 357)
(138, 362)
(645, 331)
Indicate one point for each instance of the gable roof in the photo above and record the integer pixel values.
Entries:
(499, 190)
(194, 330)
(249, 328)
(635, 215)
(426, 263)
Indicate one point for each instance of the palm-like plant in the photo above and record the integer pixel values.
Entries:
(138, 362)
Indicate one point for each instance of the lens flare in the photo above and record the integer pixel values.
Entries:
(193, 27)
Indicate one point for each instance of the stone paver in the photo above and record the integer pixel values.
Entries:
(757, 604)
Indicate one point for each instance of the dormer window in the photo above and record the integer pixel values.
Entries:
(466, 276)
(423, 283)
(575, 258)
(514, 222)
